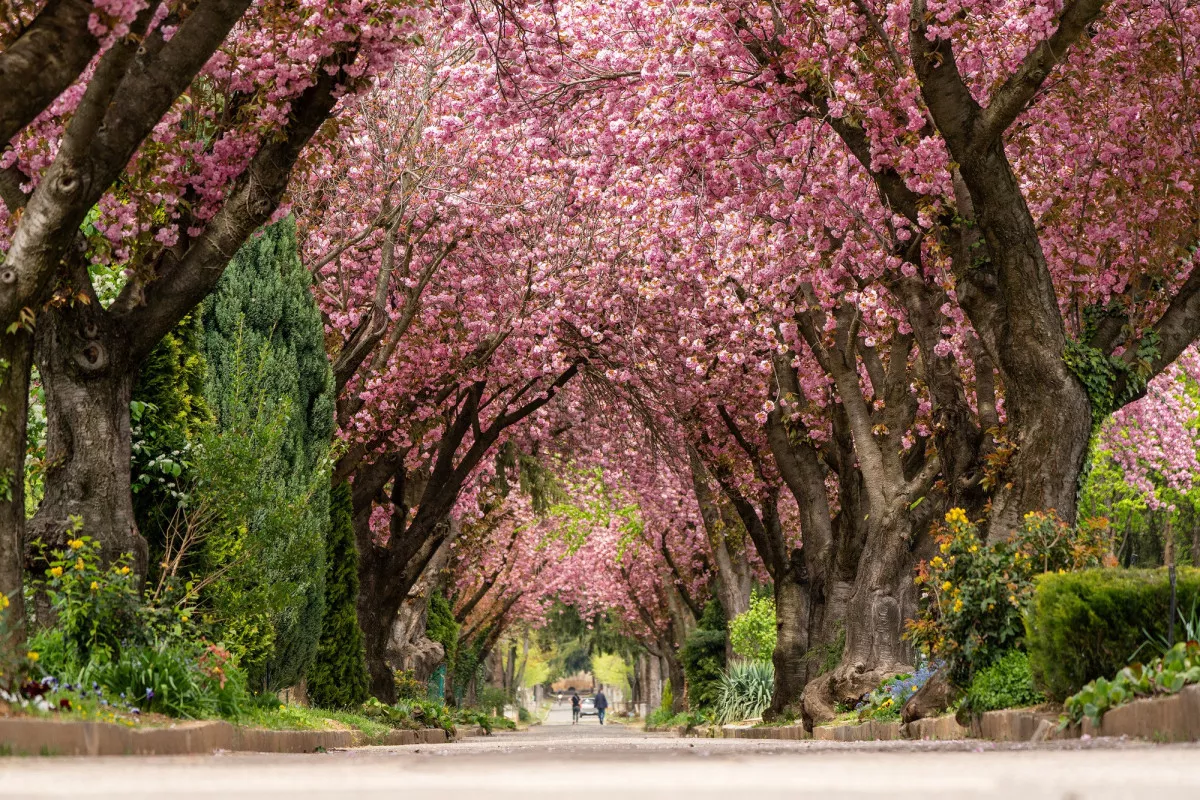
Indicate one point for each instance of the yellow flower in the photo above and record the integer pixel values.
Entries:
(973, 548)
(56, 572)
(32, 655)
(186, 617)
(1012, 598)
(945, 548)
(947, 586)
(79, 564)
(937, 562)
(75, 544)
(124, 570)
(3, 601)
(1062, 571)
(95, 586)
(956, 515)
(958, 605)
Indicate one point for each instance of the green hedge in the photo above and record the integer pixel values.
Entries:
(1089, 624)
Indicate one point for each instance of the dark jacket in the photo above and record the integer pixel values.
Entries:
(601, 702)
(574, 701)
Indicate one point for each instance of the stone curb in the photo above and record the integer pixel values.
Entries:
(870, 731)
(1018, 725)
(1174, 718)
(935, 729)
(781, 732)
(21, 736)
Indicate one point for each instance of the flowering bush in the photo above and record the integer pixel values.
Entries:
(100, 610)
(138, 652)
(972, 594)
(15, 663)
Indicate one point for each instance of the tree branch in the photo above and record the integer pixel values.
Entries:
(1019, 89)
(249, 205)
(46, 58)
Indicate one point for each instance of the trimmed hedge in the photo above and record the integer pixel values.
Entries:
(1089, 624)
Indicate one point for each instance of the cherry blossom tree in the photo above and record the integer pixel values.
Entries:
(901, 167)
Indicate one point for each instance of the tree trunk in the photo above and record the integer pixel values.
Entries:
(16, 356)
(1195, 539)
(726, 540)
(791, 645)
(678, 681)
(874, 622)
(85, 365)
(378, 604)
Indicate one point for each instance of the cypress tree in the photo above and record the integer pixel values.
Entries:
(270, 386)
(338, 677)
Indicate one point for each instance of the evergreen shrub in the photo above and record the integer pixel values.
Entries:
(264, 465)
(1090, 624)
(338, 677)
(703, 659)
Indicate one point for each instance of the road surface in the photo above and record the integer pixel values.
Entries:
(559, 760)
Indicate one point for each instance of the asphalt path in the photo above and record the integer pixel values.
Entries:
(561, 760)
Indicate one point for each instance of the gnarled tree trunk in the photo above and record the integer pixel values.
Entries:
(86, 368)
(874, 621)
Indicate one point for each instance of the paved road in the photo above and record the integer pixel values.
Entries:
(558, 760)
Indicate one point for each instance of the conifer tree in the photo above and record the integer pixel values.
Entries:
(270, 387)
(338, 676)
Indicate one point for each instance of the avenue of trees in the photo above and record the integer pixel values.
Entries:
(436, 317)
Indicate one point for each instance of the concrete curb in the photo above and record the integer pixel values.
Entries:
(28, 736)
(49, 737)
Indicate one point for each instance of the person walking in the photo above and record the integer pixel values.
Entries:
(601, 705)
(574, 707)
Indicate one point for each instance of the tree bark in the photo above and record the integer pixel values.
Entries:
(874, 623)
(791, 644)
(1010, 298)
(379, 601)
(16, 355)
(44, 60)
(678, 681)
(84, 361)
(726, 540)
